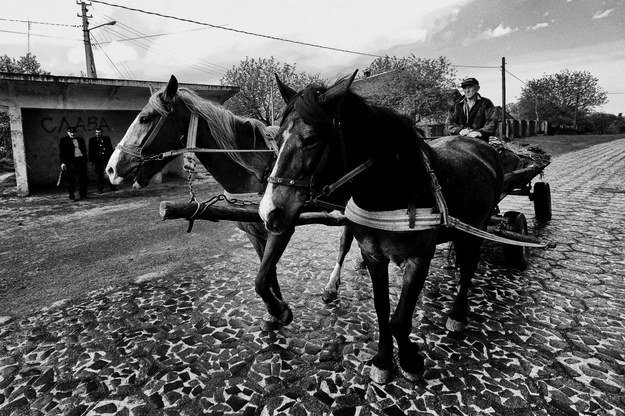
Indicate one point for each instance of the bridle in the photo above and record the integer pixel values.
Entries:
(326, 190)
(139, 151)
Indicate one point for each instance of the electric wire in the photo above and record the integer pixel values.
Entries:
(38, 23)
(34, 34)
(244, 32)
(143, 35)
(212, 69)
(109, 58)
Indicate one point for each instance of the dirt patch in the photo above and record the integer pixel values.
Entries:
(54, 249)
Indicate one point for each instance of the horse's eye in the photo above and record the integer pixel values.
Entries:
(144, 119)
(311, 141)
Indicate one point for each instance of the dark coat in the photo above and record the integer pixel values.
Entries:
(66, 149)
(482, 117)
(100, 149)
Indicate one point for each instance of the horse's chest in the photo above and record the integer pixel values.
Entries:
(395, 244)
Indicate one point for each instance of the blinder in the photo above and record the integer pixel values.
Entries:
(141, 153)
(326, 190)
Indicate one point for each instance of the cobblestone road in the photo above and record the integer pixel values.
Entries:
(546, 341)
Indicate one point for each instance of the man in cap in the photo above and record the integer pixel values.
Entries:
(100, 150)
(472, 115)
(73, 155)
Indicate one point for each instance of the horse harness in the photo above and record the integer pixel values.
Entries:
(446, 219)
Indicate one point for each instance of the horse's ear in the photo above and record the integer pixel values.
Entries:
(172, 87)
(286, 91)
(337, 89)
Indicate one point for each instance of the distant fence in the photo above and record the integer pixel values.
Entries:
(516, 129)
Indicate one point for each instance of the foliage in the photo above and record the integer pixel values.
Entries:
(562, 99)
(5, 136)
(605, 123)
(419, 87)
(27, 64)
(258, 93)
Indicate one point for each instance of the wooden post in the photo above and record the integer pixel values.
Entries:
(504, 128)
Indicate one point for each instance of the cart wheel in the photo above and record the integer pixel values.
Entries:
(516, 256)
(542, 201)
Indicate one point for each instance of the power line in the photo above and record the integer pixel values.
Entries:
(477, 66)
(33, 34)
(510, 73)
(38, 23)
(156, 35)
(109, 58)
(237, 30)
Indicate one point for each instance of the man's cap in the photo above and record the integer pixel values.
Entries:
(98, 128)
(71, 130)
(469, 81)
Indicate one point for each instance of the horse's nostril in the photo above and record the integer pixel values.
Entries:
(275, 218)
(110, 170)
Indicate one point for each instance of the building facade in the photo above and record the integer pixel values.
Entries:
(41, 108)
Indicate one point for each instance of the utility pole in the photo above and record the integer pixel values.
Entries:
(28, 36)
(91, 72)
(504, 125)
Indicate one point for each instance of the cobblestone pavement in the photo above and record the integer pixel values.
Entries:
(546, 341)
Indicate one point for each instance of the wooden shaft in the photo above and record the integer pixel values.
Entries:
(242, 213)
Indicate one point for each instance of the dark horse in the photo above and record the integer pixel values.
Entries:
(161, 127)
(326, 132)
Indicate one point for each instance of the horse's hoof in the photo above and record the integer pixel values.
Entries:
(329, 296)
(412, 376)
(379, 375)
(269, 323)
(286, 317)
(455, 326)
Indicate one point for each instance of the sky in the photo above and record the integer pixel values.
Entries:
(536, 38)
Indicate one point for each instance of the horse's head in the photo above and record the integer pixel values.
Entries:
(159, 127)
(309, 131)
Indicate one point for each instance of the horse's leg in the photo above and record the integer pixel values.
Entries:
(415, 273)
(330, 292)
(467, 256)
(267, 282)
(382, 363)
(257, 234)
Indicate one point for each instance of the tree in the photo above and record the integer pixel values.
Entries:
(562, 99)
(604, 123)
(258, 94)
(27, 64)
(418, 87)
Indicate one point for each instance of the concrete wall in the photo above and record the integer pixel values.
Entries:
(41, 108)
(45, 127)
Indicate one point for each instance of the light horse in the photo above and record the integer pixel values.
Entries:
(162, 126)
(390, 211)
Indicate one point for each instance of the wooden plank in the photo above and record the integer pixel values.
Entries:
(241, 213)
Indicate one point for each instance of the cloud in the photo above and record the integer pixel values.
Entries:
(601, 15)
(538, 26)
(497, 32)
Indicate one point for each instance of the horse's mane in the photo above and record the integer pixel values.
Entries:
(381, 129)
(221, 122)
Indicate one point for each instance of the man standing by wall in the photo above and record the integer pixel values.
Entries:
(73, 155)
(100, 150)
(472, 115)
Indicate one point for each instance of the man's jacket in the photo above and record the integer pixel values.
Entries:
(100, 149)
(481, 117)
(66, 149)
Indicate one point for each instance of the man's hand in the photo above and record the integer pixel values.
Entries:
(63, 167)
(464, 132)
(474, 133)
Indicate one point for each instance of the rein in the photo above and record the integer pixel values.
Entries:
(191, 143)
(446, 219)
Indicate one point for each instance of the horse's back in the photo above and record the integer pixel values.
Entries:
(470, 173)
